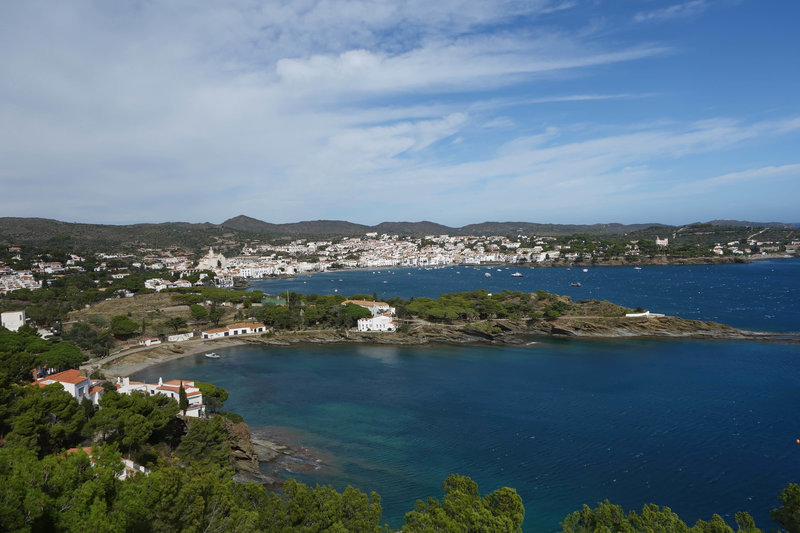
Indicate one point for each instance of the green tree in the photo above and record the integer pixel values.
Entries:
(206, 443)
(175, 323)
(213, 396)
(198, 312)
(350, 313)
(464, 509)
(183, 400)
(215, 314)
(788, 514)
(122, 326)
(46, 419)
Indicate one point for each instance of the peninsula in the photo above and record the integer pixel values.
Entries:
(475, 317)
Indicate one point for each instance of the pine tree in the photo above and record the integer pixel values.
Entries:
(183, 400)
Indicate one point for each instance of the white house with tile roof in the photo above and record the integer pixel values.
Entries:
(170, 388)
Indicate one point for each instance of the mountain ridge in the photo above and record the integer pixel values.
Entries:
(76, 236)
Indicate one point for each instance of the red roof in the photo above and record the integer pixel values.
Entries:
(72, 376)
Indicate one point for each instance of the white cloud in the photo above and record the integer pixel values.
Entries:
(681, 10)
(285, 110)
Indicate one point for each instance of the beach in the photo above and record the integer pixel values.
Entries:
(135, 359)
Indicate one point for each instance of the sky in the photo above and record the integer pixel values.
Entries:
(453, 111)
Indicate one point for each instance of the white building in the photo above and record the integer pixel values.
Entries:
(377, 323)
(149, 341)
(240, 328)
(168, 388)
(376, 308)
(212, 261)
(74, 382)
(12, 320)
(662, 242)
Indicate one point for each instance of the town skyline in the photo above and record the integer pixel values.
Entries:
(564, 112)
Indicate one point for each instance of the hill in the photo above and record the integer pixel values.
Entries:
(228, 236)
(78, 237)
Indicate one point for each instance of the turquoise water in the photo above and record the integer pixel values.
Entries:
(702, 427)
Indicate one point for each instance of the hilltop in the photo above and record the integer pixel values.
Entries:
(232, 233)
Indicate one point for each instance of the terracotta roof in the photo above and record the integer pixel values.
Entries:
(71, 376)
(87, 449)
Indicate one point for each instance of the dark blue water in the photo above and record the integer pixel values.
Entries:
(762, 295)
(703, 427)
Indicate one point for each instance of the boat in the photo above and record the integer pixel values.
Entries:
(586, 270)
(575, 284)
(212, 355)
(637, 268)
(516, 275)
(487, 275)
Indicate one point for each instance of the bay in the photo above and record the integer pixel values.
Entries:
(702, 427)
(762, 295)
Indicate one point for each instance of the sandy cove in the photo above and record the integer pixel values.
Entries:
(135, 359)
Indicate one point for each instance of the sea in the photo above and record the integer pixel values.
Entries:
(702, 427)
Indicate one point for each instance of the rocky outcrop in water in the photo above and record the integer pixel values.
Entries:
(255, 453)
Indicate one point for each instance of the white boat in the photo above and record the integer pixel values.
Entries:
(516, 275)
(212, 355)
(586, 270)
(487, 275)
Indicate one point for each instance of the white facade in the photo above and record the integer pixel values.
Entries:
(212, 261)
(75, 383)
(168, 388)
(12, 320)
(377, 323)
(240, 328)
(149, 341)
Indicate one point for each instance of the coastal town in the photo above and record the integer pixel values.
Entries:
(306, 256)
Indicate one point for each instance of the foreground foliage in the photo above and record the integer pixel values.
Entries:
(190, 485)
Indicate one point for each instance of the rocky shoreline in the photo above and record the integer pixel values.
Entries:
(419, 332)
(504, 331)
(262, 455)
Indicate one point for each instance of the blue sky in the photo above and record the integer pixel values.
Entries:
(455, 111)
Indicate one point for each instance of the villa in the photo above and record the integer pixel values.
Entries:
(377, 323)
(74, 382)
(170, 388)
